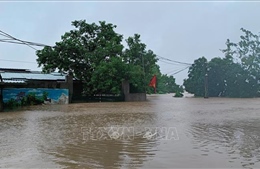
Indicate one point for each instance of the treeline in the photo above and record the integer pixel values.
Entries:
(95, 54)
(235, 75)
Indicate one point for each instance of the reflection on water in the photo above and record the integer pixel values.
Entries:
(211, 133)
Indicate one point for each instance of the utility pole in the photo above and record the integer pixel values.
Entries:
(206, 86)
(143, 72)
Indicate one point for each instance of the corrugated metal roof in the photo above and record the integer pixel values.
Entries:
(14, 70)
(32, 76)
(13, 81)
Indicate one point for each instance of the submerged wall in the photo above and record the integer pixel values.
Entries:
(135, 97)
(29, 96)
(129, 97)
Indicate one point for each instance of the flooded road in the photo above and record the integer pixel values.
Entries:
(164, 132)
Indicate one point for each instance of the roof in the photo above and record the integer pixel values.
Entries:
(13, 70)
(32, 76)
(13, 81)
(23, 75)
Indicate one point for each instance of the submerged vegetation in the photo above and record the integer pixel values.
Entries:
(235, 75)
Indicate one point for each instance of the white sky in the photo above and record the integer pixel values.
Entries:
(181, 31)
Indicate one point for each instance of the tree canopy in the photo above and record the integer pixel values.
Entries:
(235, 75)
(88, 51)
(94, 53)
(195, 82)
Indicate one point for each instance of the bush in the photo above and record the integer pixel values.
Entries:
(178, 94)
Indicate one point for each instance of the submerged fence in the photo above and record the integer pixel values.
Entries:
(97, 98)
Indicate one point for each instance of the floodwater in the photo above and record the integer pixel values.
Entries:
(163, 132)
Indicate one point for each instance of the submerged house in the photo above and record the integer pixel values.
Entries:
(25, 87)
(19, 87)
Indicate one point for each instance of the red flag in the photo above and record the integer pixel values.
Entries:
(153, 83)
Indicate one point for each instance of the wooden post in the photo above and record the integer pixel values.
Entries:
(1, 100)
(1, 94)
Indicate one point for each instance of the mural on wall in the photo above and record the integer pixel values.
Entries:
(13, 97)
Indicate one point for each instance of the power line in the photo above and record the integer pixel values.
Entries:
(23, 41)
(13, 38)
(174, 61)
(171, 63)
(11, 41)
(174, 70)
(180, 70)
(19, 41)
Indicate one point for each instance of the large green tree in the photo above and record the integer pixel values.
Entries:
(196, 77)
(246, 53)
(94, 54)
(239, 83)
(235, 75)
(140, 63)
(218, 75)
(84, 51)
(228, 79)
(247, 50)
(225, 79)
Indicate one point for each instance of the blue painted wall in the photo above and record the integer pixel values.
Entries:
(54, 95)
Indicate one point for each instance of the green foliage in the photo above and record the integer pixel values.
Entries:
(247, 50)
(178, 94)
(196, 77)
(94, 54)
(12, 103)
(109, 75)
(230, 79)
(218, 75)
(140, 63)
(225, 79)
(246, 53)
(236, 75)
(83, 52)
(240, 83)
(166, 84)
(45, 95)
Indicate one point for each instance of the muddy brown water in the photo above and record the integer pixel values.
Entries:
(163, 132)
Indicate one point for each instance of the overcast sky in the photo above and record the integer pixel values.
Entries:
(181, 31)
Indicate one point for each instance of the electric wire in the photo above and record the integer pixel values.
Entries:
(12, 39)
(19, 41)
(179, 71)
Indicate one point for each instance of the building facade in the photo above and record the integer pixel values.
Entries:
(25, 87)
